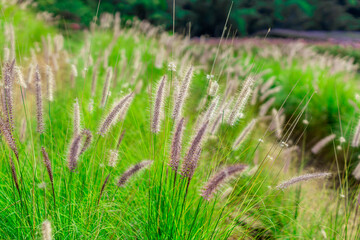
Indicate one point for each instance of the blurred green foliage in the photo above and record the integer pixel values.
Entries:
(208, 16)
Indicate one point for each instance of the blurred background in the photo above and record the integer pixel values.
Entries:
(207, 17)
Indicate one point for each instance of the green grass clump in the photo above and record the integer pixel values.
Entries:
(84, 196)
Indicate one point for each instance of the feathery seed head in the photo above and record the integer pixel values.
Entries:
(158, 110)
(110, 118)
(47, 164)
(46, 230)
(219, 178)
(76, 119)
(322, 143)
(245, 132)
(51, 82)
(176, 145)
(113, 158)
(106, 88)
(20, 77)
(213, 87)
(302, 178)
(356, 138)
(131, 171)
(39, 102)
(182, 94)
(192, 155)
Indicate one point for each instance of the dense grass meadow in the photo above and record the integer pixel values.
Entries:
(126, 131)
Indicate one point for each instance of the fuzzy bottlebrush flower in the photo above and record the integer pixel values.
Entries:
(91, 105)
(6, 54)
(76, 119)
(356, 172)
(30, 73)
(213, 87)
(189, 165)
(51, 82)
(22, 130)
(47, 164)
(58, 43)
(94, 80)
(131, 171)
(209, 114)
(88, 138)
(106, 88)
(46, 230)
(219, 178)
(39, 102)
(270, 92)
(7, 101)
(266, 86)
(120, 139)
(322, 143)
(247, 130)
(6, 132)
(264, 108)
(77, 148)
(113, 158)
(20, 77)
(103, 186)
(182, 94)
(254, 96)
(277, 123)
(288, 155)
(10, 35)
(74, 74)
(138, 86)
(123, 112)
(176, 145)
(241, 101)
(158, 109)
(302, 178)
(356, 138)
(74, 153)
(110, 118)
(13, 174)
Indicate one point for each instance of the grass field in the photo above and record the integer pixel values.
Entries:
(128, 132)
